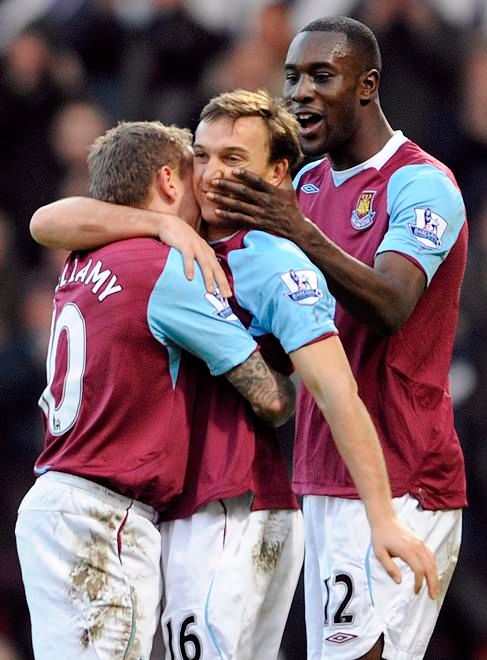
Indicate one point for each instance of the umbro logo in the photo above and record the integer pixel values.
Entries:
(340, 638)
(310, 188)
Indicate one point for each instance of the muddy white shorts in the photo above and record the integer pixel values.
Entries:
(230, 576)
(90, 561)
(350, 600)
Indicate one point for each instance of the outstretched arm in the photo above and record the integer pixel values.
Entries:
(81, 223)
(326, 373)
(271, 395)
(382, 297)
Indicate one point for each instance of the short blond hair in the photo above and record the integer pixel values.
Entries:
(282, 127)
(124, 161)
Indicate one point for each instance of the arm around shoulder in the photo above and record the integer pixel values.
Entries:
(81, 223)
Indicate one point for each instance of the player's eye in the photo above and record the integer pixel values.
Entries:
(321, 77)
(200, 155)
(233, 158)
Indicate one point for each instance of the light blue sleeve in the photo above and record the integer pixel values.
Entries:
(181, 312)
(285, 293)
(426, 214)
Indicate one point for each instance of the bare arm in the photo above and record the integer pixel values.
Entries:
(382, 297)
(271, 395)
(326, 373)
(81, 223)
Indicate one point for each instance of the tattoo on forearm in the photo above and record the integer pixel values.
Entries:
(271, 394)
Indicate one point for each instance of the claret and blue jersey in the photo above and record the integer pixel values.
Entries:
(121, 391)
(401, 200)
(278, 292)
(284, 301)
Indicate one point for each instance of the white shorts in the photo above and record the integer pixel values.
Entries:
(350, 600)
(230, 576)
(90, 561)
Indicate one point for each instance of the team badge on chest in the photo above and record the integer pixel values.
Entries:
(363, 214)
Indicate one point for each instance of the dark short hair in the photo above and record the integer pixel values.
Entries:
(282, 127)
(124, 161)
(359, 36)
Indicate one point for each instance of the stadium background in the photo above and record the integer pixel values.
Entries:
(71, 68)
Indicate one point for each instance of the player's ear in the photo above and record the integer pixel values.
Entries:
(369, 86)
(165, 179)
(279, 172)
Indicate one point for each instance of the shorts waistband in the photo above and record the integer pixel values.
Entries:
(103, 493)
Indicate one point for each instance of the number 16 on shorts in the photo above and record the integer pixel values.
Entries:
(181, 640)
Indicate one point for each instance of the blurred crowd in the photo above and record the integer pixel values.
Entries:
(69, 69)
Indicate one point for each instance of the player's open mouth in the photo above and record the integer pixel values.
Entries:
(310, 123)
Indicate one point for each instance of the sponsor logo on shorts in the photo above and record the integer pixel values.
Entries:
(302, 286)
(429, 228)
(220, 304)
(363, 214)
(340, 638)
(310, 188)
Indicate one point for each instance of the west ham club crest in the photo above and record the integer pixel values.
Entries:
(363, 214)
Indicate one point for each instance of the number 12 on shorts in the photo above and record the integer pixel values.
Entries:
(184, 644)
(340, 615)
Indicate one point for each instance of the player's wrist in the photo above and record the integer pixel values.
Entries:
(380, 512)
(157, 224)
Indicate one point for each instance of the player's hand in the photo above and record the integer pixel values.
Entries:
(178, 234)
(249, 200)
(393, 539)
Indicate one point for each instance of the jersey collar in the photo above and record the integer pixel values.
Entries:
(377, 161)
(224, 239)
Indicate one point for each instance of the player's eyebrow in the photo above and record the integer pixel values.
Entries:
(226, 149)
(310, 66)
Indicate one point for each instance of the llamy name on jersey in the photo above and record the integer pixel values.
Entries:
(102, 282)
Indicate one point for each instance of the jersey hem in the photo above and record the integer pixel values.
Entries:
(331, 333)
(429, 503)
(260, 503)
(410, 258)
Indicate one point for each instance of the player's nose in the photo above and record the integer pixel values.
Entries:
(212, 172)
(303, 89)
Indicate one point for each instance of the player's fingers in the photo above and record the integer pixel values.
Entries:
(240, 218)
(222, 282)
(389, 565)
(251, 179)
(424, 568)
(188, 263)
(213, 274)
(419, 576)
(234, 205)
(431, 573)
(433, 583)
(231, 189)
(207, 269)
(411, 554)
